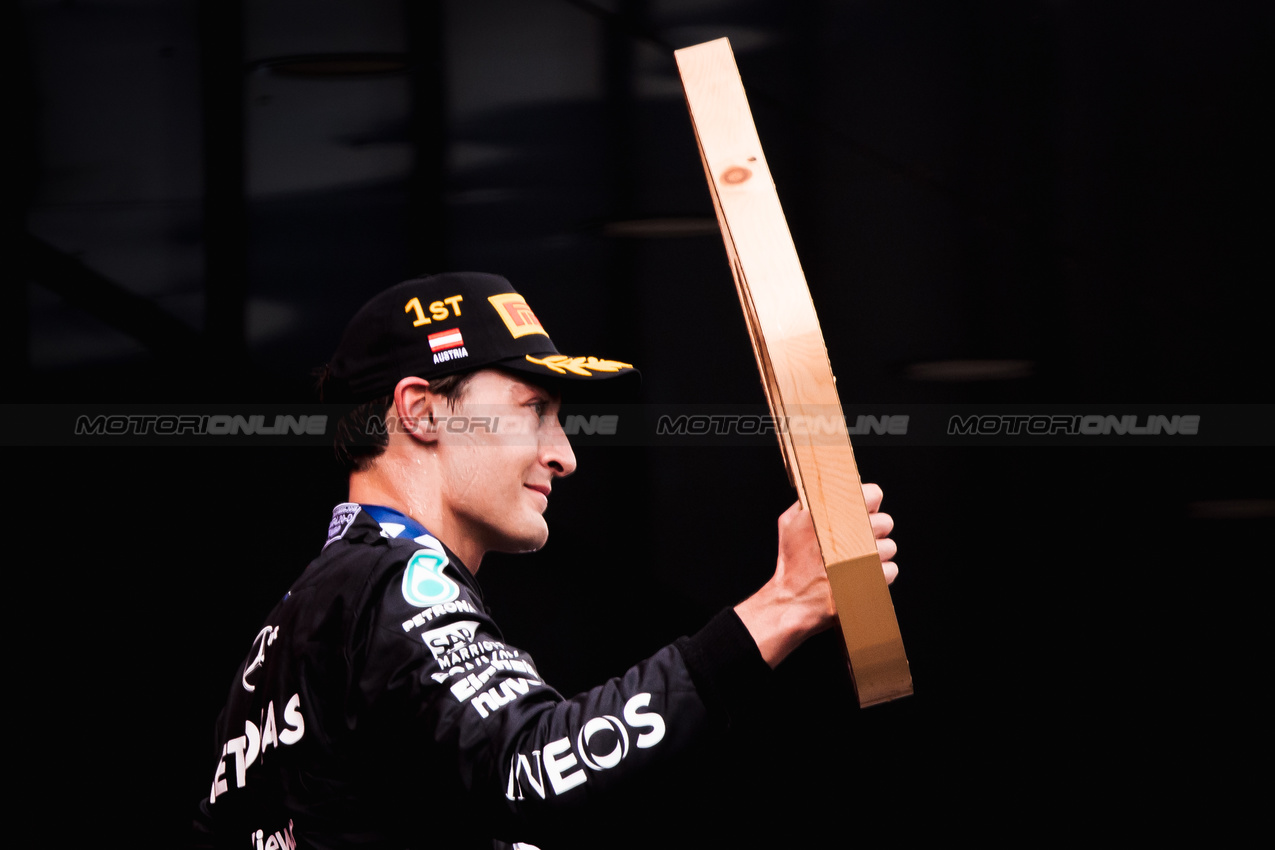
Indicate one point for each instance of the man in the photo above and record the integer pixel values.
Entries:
(380, 705)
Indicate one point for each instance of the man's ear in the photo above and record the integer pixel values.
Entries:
(416, 409)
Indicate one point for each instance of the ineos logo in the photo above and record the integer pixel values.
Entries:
(555, 768)
(264, 638)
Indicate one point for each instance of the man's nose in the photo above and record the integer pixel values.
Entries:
(557, 453)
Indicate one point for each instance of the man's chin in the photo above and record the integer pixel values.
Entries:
(532, 541)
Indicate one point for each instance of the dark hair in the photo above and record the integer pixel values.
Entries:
(362, 434)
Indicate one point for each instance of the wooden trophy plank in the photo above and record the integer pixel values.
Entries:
(793, 363)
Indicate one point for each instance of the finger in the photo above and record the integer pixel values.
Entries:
(872, 496)
(887, 549)
(891, 571)
(793, 510)
(795, 525)
(882, 524)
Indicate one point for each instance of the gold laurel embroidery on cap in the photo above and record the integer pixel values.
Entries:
(562, 364)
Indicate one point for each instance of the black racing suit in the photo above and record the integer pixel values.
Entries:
(380, 706)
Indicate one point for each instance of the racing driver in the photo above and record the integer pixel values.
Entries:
(379, 705)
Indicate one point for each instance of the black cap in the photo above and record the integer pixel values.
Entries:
(443, 324)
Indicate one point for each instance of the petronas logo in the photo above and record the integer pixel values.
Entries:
(424, 583)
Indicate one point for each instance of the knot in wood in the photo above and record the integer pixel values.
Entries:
(736, 174)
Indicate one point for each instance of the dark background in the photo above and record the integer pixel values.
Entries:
(1073, 194)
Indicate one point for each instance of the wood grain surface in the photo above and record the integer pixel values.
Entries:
(792, 360)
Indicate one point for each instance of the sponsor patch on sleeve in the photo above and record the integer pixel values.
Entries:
(342, 518)
(445, 641)
(424, 584)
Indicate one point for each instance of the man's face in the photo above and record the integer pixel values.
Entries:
(500, 449)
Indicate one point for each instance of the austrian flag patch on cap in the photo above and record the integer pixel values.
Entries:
(445, 339)
(429, 327)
